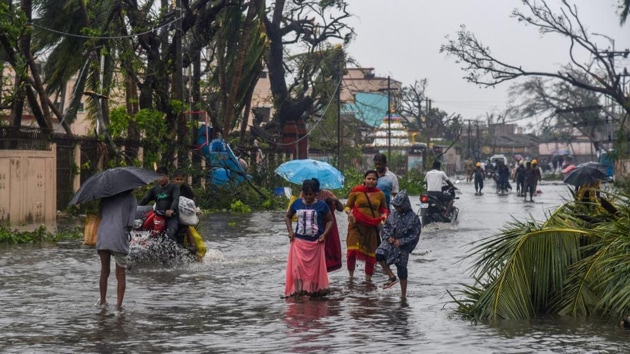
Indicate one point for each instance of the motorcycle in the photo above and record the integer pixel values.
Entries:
(153, 221)
(432, 209)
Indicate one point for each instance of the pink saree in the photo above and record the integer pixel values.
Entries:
(306, 268)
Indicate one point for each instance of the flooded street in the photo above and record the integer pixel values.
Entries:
(232, 302)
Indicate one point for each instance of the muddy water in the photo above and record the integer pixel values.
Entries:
(231, 302)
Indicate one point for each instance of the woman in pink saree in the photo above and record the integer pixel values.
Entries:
(306, 264)
(333, 242)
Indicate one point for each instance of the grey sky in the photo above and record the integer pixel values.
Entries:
(402, 38)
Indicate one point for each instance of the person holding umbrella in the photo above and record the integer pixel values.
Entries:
(117, 214)
(306, 272)
(117, 211)
(333, 243)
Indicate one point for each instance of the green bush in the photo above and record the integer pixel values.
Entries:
(224, 198)
(41, 234)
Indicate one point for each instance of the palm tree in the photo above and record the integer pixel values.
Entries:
(575, 263)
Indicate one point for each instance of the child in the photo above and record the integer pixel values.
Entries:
(401, 235)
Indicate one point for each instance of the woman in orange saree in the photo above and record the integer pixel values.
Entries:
(366, 209)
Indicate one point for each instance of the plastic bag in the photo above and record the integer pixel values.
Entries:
(187, 212)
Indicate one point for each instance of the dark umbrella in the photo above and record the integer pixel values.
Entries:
(113, 181)
(586, 173)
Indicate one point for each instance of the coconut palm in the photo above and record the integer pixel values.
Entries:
(574, 263)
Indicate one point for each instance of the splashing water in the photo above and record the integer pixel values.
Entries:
(149, 251)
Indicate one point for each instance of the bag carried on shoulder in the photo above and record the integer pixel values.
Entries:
(90, 232)
(187, 212)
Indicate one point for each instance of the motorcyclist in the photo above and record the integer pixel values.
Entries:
(434, 180)
(166, 197)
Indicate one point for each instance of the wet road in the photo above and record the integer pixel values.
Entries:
(231, 302)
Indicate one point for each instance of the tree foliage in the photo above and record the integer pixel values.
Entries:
(133, 54)
(599, 75)
(302, 30)
(549, 99)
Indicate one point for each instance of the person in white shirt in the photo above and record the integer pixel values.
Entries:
(434, 180)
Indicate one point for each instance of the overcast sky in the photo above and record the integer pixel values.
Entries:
(402, 38)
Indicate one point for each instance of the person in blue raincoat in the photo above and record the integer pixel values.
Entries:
(401, 234)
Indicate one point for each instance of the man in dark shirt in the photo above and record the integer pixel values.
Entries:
(166, 197)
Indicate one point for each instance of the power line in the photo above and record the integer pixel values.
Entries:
(105, 37)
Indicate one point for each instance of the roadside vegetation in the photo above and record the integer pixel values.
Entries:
(41, 234)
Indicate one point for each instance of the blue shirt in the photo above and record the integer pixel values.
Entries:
(310, 219)
(388, 183)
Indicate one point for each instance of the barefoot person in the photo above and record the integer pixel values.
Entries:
(333, 243)
(366, 208)
(306, 265)
(401, 234)
(117, 214)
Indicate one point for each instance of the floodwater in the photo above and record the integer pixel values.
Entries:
(232, 302)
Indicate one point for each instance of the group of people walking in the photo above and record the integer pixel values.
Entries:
(526, 176)
(374, 235)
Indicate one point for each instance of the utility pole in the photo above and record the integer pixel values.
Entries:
(611, 58)
(478, 153)
(389, 120)
(428, 130)
(468, 151)
(339, 136)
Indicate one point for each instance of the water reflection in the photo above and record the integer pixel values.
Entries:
(311, 322)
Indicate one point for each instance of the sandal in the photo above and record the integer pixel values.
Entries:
(391, 282)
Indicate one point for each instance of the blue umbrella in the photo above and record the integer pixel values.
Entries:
(297, 171)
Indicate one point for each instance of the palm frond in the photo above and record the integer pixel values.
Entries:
(574, 263)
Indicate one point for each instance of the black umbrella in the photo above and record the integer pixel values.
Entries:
(586, 173)
(113, 181)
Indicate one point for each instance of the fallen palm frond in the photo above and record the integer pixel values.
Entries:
(573, 263)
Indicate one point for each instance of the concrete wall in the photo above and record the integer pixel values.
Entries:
(28, 192)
